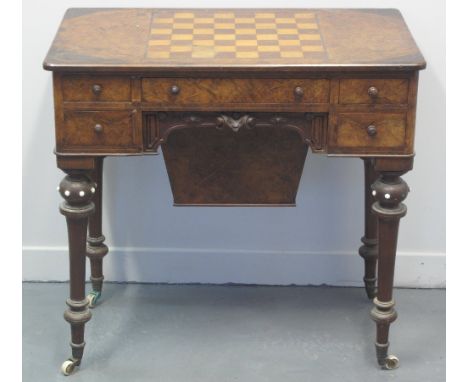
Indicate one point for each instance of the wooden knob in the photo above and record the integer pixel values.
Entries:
(371, 131)
(97, 89)
(175, 89)
(98, 128)
(299, 92)
(373, 91)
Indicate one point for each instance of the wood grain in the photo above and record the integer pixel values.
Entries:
(356, 91)
(87, 88)
(351, 133)
(124, 40)
(117, 131)
(195, 91)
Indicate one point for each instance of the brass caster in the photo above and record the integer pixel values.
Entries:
(69, 366)
(391, 363)
(93, 298)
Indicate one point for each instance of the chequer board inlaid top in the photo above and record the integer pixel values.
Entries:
(133, 39)
(223, 34)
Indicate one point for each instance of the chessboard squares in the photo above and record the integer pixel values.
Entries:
(284, 43)
(267, 37)
(163, 20)
(292, 54)
(222, 35)
(181, 48)
(246, 42)
(203, 20)
(268, 48)
(290, 31)
(160, 31)
(312, 48)
(309, 37)
(180, 25)
(247, 54)
(225, 48)
(245, 20)
(225, 37)
(184, 15)
(182, 37)
(158, 54)
(304, 15)
(265, 15)
(285, 20)
(261, 25)
(203, 43)
(159, 43)
(203, 53)
(203, 31)
(224, 25)
(307, 26)
(224, 15)
(244, 31)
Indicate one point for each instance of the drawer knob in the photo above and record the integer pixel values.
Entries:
(97, 89)
(98, 128)
(175, 89)
(371, 131)
(373, 91)
(299, 92)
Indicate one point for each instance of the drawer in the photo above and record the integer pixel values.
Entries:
(368, 133)
(216, 91)
(373, 91)
(99, 130)
(96, 89)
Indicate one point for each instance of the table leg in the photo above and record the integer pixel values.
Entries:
(96, 249)
(368, 251)
(77, 190)
(389, 190)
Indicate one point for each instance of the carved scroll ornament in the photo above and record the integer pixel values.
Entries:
(312, 127)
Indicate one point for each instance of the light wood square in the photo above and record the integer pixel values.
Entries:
(159, 42)
(292, 54)
(184, 15)
(182, 37)
(225, 37)
(161, 31)
(268, 48)
(247, 55)
(246, 43)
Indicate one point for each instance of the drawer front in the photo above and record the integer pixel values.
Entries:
(368, 133)
(370, 91)
(96, 89)
(99, 130)
(214, 91)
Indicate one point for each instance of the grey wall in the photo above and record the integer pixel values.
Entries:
(313, 243)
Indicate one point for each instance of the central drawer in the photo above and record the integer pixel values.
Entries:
(221, 91)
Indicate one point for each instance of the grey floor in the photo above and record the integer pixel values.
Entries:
(182, 333)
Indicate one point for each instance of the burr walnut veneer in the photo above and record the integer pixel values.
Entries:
(234, 99)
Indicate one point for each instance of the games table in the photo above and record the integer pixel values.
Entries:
(234, 98)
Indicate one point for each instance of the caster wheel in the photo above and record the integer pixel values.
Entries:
(68, 366)
(391, 363)
(93, 298)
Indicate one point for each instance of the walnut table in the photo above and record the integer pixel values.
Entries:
(234, 98)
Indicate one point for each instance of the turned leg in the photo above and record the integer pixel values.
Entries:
(389, 190)
(96, 249)
(77, 191)
(368, 250)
